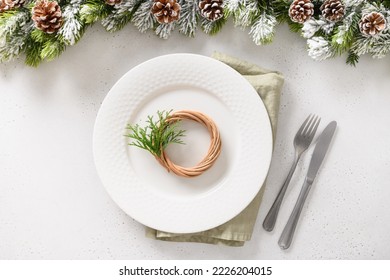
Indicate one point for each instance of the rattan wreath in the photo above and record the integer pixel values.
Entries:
(213, 151)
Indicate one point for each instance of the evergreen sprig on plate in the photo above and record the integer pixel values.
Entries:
(156, 135)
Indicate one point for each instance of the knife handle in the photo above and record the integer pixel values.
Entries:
(270, 219)
(288, 232)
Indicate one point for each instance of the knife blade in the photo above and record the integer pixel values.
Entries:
(315, 163)
(320, 150)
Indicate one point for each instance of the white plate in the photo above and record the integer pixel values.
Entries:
(146, 191)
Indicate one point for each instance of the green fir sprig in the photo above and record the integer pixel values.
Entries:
(156, 135)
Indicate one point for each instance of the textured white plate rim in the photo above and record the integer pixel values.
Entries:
(207, 213)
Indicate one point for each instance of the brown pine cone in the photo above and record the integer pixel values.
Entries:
(6, 5)
(333, 10)
(166, 11)
(47, 16)
(113, 2)
(301, 10)
(372, 24)
(211, 9)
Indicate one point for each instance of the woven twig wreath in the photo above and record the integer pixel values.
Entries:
(158, 134)
(213, 151)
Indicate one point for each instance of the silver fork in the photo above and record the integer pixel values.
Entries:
(302, 141)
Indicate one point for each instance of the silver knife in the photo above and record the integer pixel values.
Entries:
(318, 156)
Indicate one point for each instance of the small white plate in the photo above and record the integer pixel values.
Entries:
(145, 190)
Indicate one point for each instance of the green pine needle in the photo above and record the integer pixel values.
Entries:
(386, 3)
(352, 58)
(40, 36)
(156, 135)
(33, 54)
(52, 49)
(212, 27)
(294, 26)
(94, 10)
(348, 36)
(280, 8)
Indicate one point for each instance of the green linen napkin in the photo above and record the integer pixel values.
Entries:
(235, 232)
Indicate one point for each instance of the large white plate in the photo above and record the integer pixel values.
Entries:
(146, 191)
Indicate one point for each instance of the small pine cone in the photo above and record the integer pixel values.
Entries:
(372, 24)
(47, 16)
(166, 11)
(6, 5)
(211, 9)
(113, 2)
(301, 10)
(333, 10)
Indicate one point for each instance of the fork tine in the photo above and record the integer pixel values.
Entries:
(300, 130)
(308, 125)
(311, 125)
(313, 132)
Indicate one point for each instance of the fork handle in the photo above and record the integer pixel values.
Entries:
(288, 232)
(270, 219)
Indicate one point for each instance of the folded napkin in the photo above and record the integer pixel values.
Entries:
(235, 232)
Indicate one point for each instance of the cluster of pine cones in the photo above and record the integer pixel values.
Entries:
(167, 11)
(334, 10)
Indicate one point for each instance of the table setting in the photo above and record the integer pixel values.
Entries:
(268, 154)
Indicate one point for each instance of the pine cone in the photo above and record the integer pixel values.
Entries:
(211, 9)
(301, 10)
(333, 10)
(113, 2)
(166, 11)
(372, 24)
(47, 16)
(6, 5)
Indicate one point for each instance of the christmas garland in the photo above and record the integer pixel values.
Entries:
(41, 30)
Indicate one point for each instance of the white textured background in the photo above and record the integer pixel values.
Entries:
(53, 206)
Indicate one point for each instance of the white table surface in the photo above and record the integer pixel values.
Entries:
(53, 206)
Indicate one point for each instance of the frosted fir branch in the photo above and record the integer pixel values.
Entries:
(353, 3)
(362, 45)
(165, 30)
(232, 6)
(319, 48)
(11, 21)
(71, 30)
(246, 14)
(343, 32)
(212, 27)
(311, 26)
(12, 48)
(143, 19)
(14, 29)
(263, 30)
(369, 7)
(381, 47)
(188, 21)
(121, 15)
(207, 26)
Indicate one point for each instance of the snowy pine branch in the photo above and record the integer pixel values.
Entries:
(143, 19)
(14, 29)
(188, 21)
(72, 29)
(263, 30)
(121, 15)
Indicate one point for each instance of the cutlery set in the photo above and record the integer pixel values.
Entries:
(302, 141)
